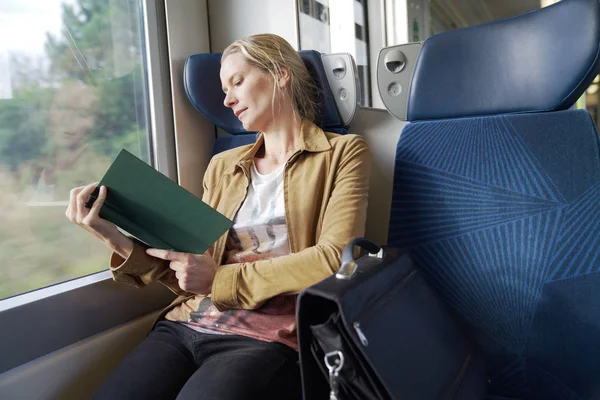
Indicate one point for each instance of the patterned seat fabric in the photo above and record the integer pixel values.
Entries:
(503, 214)
(497, 194)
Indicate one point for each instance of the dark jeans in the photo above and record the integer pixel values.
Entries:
(176, 362)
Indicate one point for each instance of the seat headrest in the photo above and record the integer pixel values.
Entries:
(203, 88)
(540, 61)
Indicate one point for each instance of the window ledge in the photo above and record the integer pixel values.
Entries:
(40, 322)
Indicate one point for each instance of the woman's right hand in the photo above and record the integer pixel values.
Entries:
(89, 219)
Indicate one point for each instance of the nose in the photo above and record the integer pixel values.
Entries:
(229, 100)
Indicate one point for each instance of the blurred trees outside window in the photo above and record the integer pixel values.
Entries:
(72, 95)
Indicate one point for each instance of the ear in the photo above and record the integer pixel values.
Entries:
(284, 78)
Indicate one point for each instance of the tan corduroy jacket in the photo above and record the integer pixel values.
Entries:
(325, 190)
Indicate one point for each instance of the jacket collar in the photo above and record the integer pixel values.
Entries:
(313, 140)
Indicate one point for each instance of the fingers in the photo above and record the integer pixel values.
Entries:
(82, 197)
(95, 210)
(178, 267)
(73, 208)
(180, 277)
(190, 278)
(184, 281)
(85, 194)
(71, 212)
(171, 255)
(194, 275)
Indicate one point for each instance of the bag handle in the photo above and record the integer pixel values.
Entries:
(349, 266)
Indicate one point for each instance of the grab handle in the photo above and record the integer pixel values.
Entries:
(349, 266)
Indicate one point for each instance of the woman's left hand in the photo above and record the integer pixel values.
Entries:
(194, 272)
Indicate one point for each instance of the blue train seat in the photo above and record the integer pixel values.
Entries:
(203, 88)
(497, 190)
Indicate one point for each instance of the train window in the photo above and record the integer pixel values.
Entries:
(416, 20)
(338, 26)
(72, 94)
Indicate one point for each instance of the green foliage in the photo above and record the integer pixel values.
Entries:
(40, 248)
(22, 129)
(130, 141)
(99, 39)
(99, 46)
(121, 110)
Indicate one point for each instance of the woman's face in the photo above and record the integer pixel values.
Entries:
(248, 92)
(71, 115)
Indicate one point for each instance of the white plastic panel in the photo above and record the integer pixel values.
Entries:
(395, 68)
(76, 371)
(194, 134)
(382, 132)
(234, 19)
(377, 40)
(342, 76)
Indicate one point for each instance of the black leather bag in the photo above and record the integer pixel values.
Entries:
(376, 330)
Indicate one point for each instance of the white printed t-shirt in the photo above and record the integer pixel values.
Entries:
(259, 232)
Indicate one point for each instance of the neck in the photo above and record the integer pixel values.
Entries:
(282, 137)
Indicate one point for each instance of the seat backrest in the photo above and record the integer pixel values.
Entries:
(497, 191)
(334, 76)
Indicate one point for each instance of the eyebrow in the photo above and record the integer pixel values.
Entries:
(230, 79)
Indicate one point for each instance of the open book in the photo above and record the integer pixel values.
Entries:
(156, 210)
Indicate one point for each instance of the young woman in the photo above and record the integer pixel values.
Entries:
(296, 197)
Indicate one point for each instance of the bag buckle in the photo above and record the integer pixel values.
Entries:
(347, 270)
(334, 361)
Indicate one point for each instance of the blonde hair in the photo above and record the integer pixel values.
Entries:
(272, 54)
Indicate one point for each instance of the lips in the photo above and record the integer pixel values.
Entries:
(239, 112)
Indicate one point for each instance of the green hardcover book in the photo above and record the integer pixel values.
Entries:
(156, 210)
